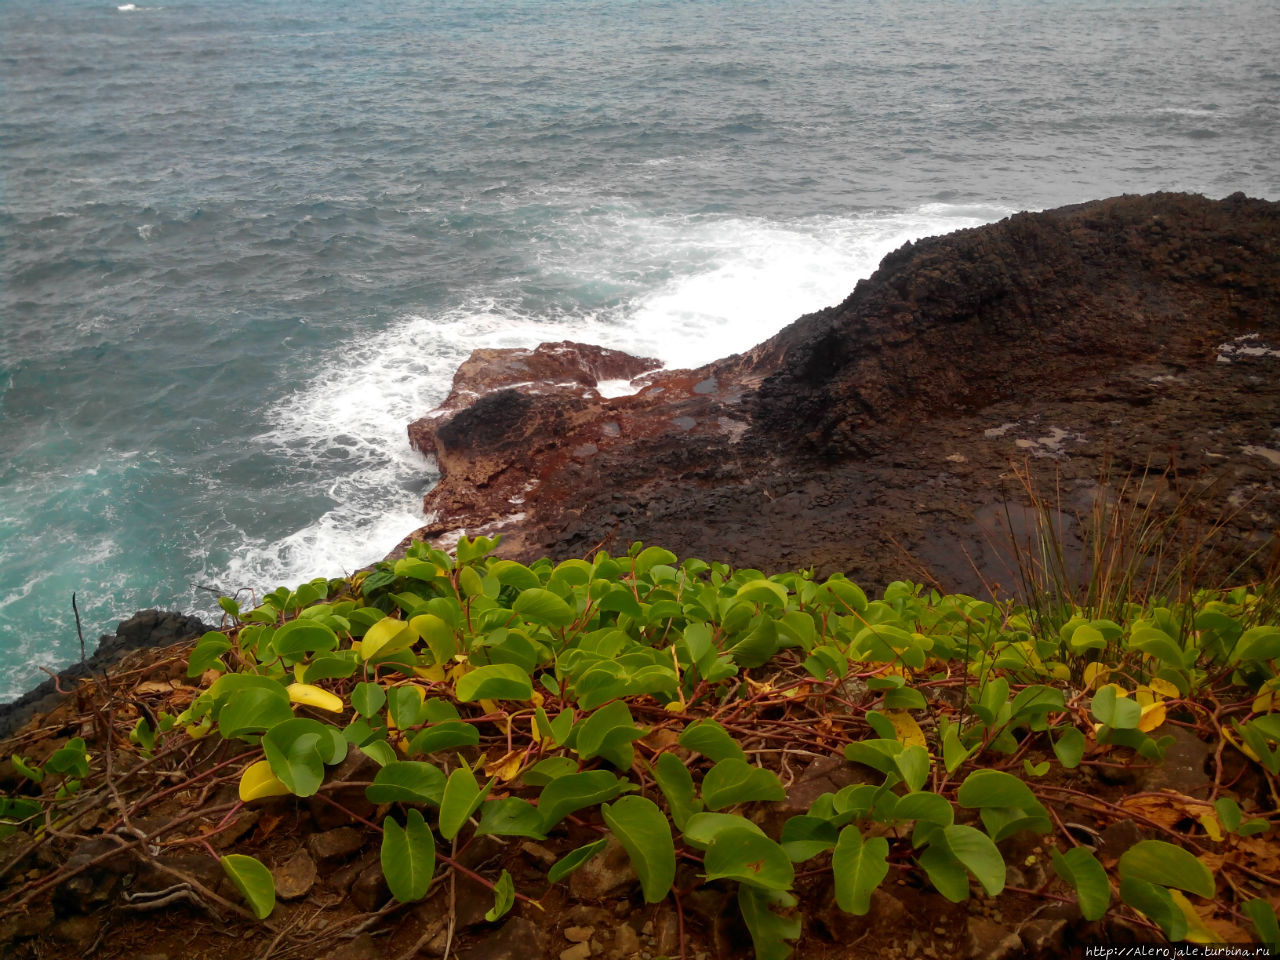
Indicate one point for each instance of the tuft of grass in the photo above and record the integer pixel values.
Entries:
(1146, 539)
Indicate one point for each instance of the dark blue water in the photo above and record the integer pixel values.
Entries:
(244, 243)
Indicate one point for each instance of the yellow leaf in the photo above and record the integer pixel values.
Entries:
(1059, 671)
(533, 726)
(1164, 689)
(1197, 932)
(1242, 747)
(905, 726)
(299, 671)
(1144, 695)
(403, 745)
(1152, 717)
(258, 782)
(757, 687)
(1095, 674)
(675, 706)
(433, 673)
(491, 706)
(505, 768)
(1211, 826)
(537, 699)
(309, 695)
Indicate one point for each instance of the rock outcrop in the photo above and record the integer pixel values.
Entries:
(1136, 335)
(145, 629)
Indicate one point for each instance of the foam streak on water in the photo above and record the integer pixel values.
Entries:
(753, 277)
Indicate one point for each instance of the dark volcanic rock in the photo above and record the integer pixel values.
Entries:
(1137, 334)
(146, 628)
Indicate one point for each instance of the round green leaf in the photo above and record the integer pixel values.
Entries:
(510, 817)
(495, 681)
(408, 856)
(769, 932)
(1156, 861)
(858, 867)
(930, 807)
(945, 872)
(704, 827)
(301, 637)
(1085, 637)
(445, 735)
(748, 857)
(254, 710)
(1069, 747)
(676, 784)
(407, 781)
(543, 606)
(976, 851)
(804, 837)
(1122, 713)
(763, 591)
(645, 833)
(995, 788)
(572, 860)
(608, 733)
(849, 596)
(462, 797)
(736, 781)
(385, 639)
(512, 574)
(253, 880)
(504, 897)
(368, 698)
(563, 795)
(1081, 870)
(1155, 903)
(207, 652)
(438, 635)
(298, 750)
(711, 740)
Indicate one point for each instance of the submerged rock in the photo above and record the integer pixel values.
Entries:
(1136, 335)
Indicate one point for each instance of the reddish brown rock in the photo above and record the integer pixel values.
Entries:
(876, 437)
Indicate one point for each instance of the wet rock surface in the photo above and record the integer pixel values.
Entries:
(878, 437)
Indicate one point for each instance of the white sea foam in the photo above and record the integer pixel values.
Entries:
(616, 388)
(722, 286)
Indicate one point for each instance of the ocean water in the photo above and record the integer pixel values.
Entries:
(244, 243)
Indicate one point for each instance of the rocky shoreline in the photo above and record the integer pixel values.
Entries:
(881, 437)
(884, 437)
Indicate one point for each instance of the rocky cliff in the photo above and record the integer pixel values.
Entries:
(879, 437)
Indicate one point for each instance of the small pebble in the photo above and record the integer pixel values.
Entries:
(578, 934)
(579, 951)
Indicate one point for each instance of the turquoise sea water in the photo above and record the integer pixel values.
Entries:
(244, 243)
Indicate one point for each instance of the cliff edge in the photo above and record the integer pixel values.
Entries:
(1128, 335)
